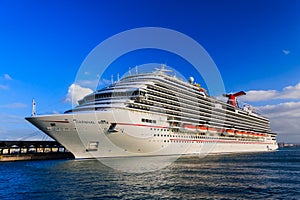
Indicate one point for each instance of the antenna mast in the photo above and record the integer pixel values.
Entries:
(112, 79)
(33, 108)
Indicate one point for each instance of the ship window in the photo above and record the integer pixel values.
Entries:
(90, 98)
(148, 121)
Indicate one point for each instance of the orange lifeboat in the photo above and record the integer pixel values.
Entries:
(211, 130)
(239, 133)
(202, 129)
(256, 134)
(243, 133)
(229, 132)
(250, 134)
(189, 126)
(263, 135)
(220, 130)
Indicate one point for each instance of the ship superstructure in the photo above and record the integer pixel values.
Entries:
(157, 114)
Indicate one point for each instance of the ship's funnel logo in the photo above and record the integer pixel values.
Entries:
(232, 97)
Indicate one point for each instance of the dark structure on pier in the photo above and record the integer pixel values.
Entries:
(32, 150)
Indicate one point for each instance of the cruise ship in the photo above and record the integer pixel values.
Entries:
(157, 114)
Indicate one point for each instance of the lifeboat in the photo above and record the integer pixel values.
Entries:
(243, 133)
(261, 135)
(188, 127)
(239, 133)
(202, 129)
(220, 130)
(229, 132)
(211, 130)
(256, 135)
(250, 134)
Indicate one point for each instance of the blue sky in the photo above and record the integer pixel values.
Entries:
(255, 45)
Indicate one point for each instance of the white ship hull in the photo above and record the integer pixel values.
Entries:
(121, 133)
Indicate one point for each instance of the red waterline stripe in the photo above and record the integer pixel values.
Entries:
(128, 124)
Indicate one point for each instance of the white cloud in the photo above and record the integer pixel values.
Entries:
(3, 87)
(14, 105)
(290, 109)
(4, 79)
(289, 92)
(11, 119)
(88, 83)
(55, 112)
(76, 92)
(286, 52)
(7, 77)
(94, 83)
(23, 134)
(284, 118)
(15, 127)
(259, 95)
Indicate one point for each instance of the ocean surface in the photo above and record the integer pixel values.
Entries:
(272, 175)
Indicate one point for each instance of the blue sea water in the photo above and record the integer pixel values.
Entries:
(272, 175)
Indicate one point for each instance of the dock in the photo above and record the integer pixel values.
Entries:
(32, 150)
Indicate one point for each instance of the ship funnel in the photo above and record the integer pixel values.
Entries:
(232, 97)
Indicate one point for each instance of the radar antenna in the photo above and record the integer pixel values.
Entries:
(162, 69)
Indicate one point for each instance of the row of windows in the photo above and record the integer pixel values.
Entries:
(185, 141)
(49, 128)
(190, 141)
(114, 94)
(162, 129)
(185, 136)
(149, 121)
(199, 137)
(157, 129)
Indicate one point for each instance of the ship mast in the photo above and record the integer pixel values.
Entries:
(33, 108)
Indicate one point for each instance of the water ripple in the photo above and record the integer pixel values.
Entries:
(241, 176)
